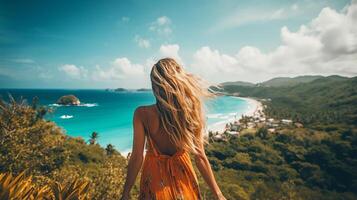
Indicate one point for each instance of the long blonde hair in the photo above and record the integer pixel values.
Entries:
(179, 98)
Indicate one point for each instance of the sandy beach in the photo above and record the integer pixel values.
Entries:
(254, 107)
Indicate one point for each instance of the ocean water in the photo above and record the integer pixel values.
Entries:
(111, 113)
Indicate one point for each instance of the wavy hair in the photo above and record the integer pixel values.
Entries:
(179, 98)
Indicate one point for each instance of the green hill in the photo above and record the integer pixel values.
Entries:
(281, 81)
(314, 162)
(239, 83)
(327, 99)
(286, 81)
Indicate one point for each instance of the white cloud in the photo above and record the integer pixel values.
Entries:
(73, 71)
(121, 68)
(214, 59)
(142, 42)
(212, 65)
(163, 21)
(338, 31)
(327, 45)
(122, 73)
(149, 63)
(162, 26)
(171, 51)
(294, 6)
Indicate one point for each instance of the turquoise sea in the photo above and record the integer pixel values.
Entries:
(110, 113)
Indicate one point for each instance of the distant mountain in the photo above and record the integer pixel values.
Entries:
(281, 81)
(332, 98)
(241, 83)
(287, 81)
(120, 90)
(314, 88)
(143, 89)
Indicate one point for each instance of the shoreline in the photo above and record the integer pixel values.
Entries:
(254, 106)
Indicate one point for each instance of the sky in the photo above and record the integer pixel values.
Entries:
(111, 44)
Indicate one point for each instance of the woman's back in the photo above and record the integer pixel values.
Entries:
(167, 172)
(158, 135)
(171, 128)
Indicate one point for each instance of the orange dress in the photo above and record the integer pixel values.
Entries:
(167, 177)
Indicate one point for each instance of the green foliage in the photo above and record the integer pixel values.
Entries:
(21, 187)
(281, 165)
(68, 100)
(286, 81)
(93, 138)
(316, 162)
(110, 150)
(28, 142)
(324, 100)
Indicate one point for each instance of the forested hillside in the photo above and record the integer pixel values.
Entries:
(328, 100)
(315, 162)
(294, 163)
(30, 144)
(286, 81)
(276, 82)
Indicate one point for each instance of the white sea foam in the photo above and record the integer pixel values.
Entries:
(80, 105)
(225, 117)
(221, 115)
(66, 116)
(214, 115)
(55, 105)
(88, 104)
(253, 106)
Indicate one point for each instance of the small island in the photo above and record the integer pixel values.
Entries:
(68, 100)
(143, 89)
(120, 90)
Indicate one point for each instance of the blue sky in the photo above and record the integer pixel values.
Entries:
(91, 44)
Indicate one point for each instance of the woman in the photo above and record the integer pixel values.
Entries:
(173, 128)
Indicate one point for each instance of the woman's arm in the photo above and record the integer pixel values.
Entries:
(136, 158)
(205, 169)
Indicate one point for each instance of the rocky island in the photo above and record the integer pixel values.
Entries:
(68, 100)
(143, 89)
(120, 90)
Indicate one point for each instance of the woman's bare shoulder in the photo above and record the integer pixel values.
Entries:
(144, 109)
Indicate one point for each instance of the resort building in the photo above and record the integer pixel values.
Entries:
(286, 121)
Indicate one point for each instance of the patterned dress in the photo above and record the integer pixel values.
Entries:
(167, 177)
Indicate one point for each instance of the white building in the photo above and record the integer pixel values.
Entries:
(286, 121)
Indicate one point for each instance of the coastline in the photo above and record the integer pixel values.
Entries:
(254, 107)
(73, 119)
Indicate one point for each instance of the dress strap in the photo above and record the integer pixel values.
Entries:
(149, 139)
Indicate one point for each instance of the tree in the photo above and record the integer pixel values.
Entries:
(110, 149)
(262, 132)
(93, 138)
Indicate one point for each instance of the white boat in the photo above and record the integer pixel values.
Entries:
(66, 116)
